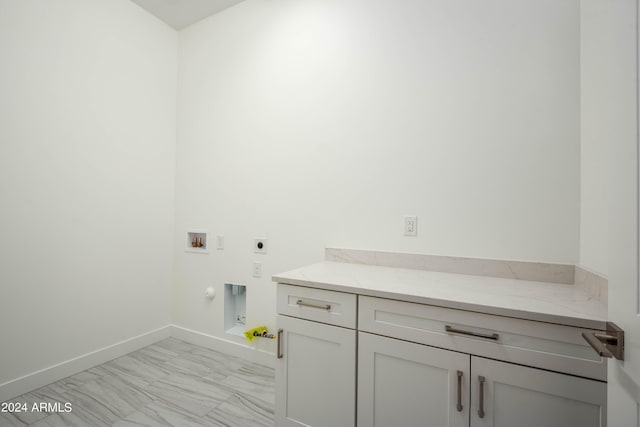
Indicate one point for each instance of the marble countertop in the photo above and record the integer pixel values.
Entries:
(546, 302)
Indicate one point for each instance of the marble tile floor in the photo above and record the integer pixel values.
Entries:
(169, 383)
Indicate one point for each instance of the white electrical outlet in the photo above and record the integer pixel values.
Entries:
(260, 245)
(257, 269)
(220, 242)
(410, 225)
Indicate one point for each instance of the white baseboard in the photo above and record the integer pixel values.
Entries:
(43, 377)
(35, 380)
(224, 346)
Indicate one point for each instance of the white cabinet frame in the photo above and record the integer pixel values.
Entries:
(316, 375)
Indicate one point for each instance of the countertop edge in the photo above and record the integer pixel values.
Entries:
(459, 305)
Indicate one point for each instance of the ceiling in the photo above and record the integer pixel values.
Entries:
(182, 13)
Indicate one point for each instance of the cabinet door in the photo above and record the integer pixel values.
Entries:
(316, 376)
(407, 384)
(527, 397)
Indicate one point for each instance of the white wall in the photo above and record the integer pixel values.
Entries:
(322, 122)
(596, 55)
(87, 165)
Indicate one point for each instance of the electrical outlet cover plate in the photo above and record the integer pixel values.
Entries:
(410, 225)
(260, 245)
(257, 269)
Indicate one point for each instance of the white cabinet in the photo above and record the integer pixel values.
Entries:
(520, 396)
(316, 374)
(422, 365)
(407, 384)
(558, 348)
(319, 305)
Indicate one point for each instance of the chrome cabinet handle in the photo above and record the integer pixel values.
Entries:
(609, 344)
(280, 355)
(481, 398)
(493, 336)
(459, 405)
(308, 304)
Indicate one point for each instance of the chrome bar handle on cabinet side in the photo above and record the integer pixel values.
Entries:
(609, 344)
(307, 304)
(280, 355)
(459, 405)
(481, 397)
(493, 336)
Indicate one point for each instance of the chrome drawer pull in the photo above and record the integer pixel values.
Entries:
(473, 334)
(459, 405)
(307, 304)
(481, 398)
(280, 355)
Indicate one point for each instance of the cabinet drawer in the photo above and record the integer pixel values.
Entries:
(538, 344)
(334, 308)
